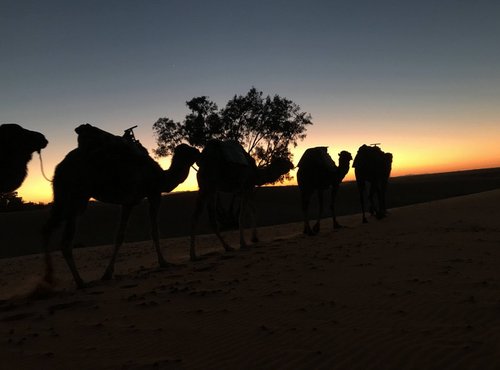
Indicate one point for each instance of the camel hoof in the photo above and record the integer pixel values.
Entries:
(167, 266)
(365, 221)
(194, 258)
(48, 278)
(90, 284)
(315, 229)
(82, 285)
(108, 275)
(43, 289)
(164, 264)
(308, 232)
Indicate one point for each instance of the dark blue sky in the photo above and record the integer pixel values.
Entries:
(367, 71)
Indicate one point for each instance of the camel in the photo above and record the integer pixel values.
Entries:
(112, 170)
(372, 166)
(317, 172)
(224, 166)
(16, 148)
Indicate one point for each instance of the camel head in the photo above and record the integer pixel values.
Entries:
(185, 155)
(282, 165)
(273, 172)
(345, 157)
(16, 148)
(21, 140)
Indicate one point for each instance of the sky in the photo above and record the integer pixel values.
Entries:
(420, 77)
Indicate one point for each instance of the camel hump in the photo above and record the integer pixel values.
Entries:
(317, 157)
(229, 151)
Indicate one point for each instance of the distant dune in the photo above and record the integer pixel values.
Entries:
(20, 232)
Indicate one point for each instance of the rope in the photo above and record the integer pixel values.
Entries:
(41, 167)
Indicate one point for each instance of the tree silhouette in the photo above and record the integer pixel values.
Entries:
(265, 126)
(10, 201)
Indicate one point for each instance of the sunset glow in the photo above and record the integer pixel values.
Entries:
(416, 154)
(421, 78)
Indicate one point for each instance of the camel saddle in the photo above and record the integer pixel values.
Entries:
(369, 155)
(317, 157)
(92, 139)
(231, 152)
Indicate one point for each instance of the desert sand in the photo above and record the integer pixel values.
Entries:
(419, 289)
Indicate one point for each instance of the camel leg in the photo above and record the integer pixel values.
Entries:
(361, 189)
(381, 203)
(253, 215)
(51, 225)
(154, 207)
(67, 250)
(49, 267)
(375, 199)
(212, 216)
(371, 198)
(377, 206)
(241, 221)
(233, 211)
(120, 236)
(306, 197)
(200, 205)
(316, 226)
(383, 190)
(336, 225)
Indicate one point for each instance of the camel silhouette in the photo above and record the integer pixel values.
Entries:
(317, 172)
(114, 170)
(373, 166)
(16, 148)
(224, 166)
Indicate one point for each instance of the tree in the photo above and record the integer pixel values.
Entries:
(265, 126)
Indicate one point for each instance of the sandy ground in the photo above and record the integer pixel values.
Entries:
(417, 290)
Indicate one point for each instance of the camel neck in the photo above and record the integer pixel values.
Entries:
(343, 169)
(14, 171)
(175, 175)
(266, 175)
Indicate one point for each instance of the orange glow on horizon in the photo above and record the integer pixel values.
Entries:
(428, 152)
(38, 190)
